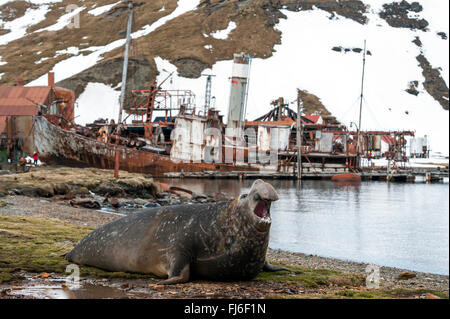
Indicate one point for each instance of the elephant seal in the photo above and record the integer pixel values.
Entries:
(220, 241)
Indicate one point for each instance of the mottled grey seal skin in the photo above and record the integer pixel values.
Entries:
(221, 241)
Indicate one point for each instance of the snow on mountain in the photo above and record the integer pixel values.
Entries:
(97, 101)
(305, 60)
(223, 34)
(18, 27)
(100, 10)
(79, 62)
(319, 52)
(183, 7)
(63, 21)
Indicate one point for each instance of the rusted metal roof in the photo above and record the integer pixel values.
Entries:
(285, 122)
(18, 100)
(314, 118)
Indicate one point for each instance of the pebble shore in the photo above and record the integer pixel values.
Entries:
(43, 208)
(388, 275)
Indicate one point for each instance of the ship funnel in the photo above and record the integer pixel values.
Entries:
(239, 90)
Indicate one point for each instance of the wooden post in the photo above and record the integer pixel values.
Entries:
(299, 136)
(116, 158)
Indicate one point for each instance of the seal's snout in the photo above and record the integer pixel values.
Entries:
(261, 197)
(264, 191)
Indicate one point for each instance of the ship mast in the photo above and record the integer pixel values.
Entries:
(125, 62)
(362, 96)
(124, 86)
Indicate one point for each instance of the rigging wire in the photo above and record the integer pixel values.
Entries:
(372, 114)
(350, 109)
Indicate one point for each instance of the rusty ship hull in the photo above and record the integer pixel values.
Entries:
(64, 147)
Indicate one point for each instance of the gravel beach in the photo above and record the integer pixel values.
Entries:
(63, 211)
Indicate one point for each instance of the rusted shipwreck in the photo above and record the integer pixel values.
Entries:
(170, 136)
(185, 140)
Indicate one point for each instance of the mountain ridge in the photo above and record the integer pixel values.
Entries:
(186, 41)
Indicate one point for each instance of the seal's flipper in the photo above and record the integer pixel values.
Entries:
(175, 278)
(272, 268)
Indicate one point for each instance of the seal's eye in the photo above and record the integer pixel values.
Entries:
(243, 196)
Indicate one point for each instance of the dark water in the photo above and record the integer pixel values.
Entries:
(391, 224)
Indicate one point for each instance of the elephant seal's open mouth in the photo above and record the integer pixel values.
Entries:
(258, 201)
(262, 210)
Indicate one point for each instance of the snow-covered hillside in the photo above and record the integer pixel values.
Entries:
(307, 59)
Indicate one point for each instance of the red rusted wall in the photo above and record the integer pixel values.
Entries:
(65, 147)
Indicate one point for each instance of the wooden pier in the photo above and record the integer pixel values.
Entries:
(431, 175)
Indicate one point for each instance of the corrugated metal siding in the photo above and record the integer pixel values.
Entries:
(326, 142)
(3, 121)
(264, 138)
(280, 138)
(276, 138)
(188, 144)
(9, 108)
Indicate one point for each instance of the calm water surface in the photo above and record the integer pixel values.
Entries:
(391, 224)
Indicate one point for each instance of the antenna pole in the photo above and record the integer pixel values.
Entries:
(362, 96)
(124, 87)
(208, 92)
(125, 62)
(299, 135)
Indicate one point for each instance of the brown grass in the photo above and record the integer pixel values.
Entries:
(21, 56)
(185, 34)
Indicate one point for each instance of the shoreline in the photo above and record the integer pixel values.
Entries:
(388, 275)
(356, 264)
(62, 211)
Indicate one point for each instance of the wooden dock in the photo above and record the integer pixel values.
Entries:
(373, 175)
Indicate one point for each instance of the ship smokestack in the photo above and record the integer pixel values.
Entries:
(239, 89)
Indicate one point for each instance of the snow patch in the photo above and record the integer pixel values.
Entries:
(183, 7)
(63, 21)
(41, 60)
(100, 10)
(97, 101)
(69, 50)
(76, 64)
(18, 27)
(223, 34)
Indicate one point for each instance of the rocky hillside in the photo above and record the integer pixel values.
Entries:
(313, 45)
